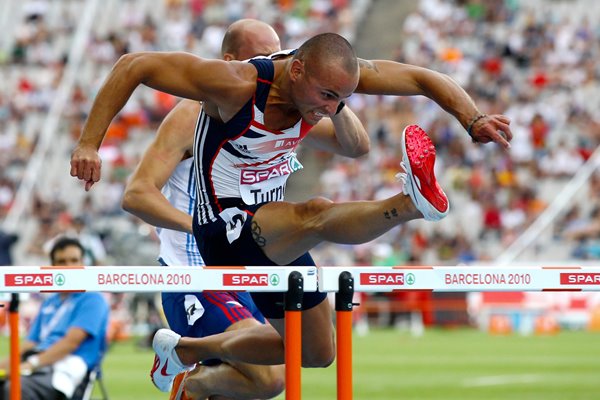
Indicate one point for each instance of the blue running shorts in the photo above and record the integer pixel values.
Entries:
(217, 251)
(207, 313)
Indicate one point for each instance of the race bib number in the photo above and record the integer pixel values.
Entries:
(260, 185)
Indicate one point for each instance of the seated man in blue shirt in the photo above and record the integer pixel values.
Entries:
(67, 337)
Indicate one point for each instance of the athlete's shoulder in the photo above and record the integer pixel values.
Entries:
(185, 110)
(265, 65)
(186, 106)
(177, 129)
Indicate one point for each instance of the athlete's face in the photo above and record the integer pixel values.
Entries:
(318, 91)
(68, 256)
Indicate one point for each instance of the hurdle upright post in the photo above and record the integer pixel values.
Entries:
(15, 361)
(343, 311)
(293, 336)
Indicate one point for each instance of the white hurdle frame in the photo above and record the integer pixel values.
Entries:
(28, 279)
(347, 280)
(465, 278)
(120, 279)
(291, 280)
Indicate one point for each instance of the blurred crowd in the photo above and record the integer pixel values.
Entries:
(34, 54)
(527, 60)
(33, 64)
(534, 64)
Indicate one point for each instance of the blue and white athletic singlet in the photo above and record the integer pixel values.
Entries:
(242, 158)
(179, 248)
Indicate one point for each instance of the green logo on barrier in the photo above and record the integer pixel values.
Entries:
(274, 279)
(59, 279)
(410, 279)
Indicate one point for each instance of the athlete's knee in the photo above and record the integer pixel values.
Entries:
(193, 384)
(270, 381)
(319, 358)
(312, 212)
(317, 206)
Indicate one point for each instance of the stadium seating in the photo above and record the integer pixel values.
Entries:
(532, 62)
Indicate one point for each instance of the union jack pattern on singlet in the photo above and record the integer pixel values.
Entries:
(242, 158)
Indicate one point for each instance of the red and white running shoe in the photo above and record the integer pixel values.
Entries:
(418, 161)
(166, 362)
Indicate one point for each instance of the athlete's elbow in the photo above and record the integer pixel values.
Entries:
(360, 149)
(133, 66)
(131, 200)
(125, 62)
(363, 148)
(127, 203)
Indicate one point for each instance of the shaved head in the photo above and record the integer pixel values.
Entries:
(328, 50)
(247, 38)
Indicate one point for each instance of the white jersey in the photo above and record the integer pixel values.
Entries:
(179, 248)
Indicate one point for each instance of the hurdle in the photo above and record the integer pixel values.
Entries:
(343, 334)
(343, 281)
(465, 278)
(121, 279)
(13, 322)
(293, 336)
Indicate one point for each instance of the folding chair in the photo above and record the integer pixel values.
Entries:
(86, 387)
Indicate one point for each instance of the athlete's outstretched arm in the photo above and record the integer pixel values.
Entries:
(393, 78)
(342, 134)
(173, 143)
(228, 85)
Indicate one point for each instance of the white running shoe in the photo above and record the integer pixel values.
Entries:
(166, 362)
(421, 185)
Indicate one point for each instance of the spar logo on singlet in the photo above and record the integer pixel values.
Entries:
(250, 176)
(259, 185)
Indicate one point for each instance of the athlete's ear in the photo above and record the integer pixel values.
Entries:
(228, 57)
(296, 70)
